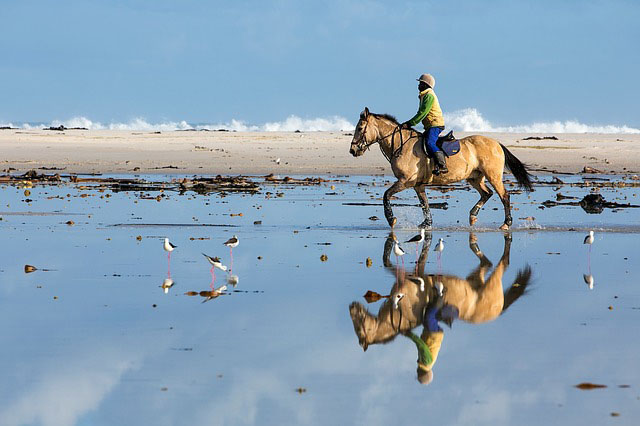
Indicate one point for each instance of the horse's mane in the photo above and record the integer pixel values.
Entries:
(387, 116)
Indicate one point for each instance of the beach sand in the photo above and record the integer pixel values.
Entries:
(255, 153)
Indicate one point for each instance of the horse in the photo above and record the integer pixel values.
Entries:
(480, 159)
(478, 299)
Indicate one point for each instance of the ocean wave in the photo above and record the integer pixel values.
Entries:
(290, 124)
(466, 120)
(470, 120)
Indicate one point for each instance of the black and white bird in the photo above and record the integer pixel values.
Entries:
(417, 238)
(397, 250)
(168, 246)
(589, 238)
(232, 242)
(215, 262)
(440, 246)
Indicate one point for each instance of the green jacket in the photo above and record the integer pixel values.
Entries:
(424, 354)
(429, 111)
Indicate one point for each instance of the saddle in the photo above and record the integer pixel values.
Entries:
(447, 143)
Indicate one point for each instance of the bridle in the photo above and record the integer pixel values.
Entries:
(363, 145)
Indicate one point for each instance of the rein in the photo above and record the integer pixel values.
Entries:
(394, 151)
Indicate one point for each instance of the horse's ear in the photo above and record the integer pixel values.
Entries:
(365, 113)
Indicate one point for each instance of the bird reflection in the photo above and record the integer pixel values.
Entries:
(213, 294)
(428, 300)
(233, 280)
(588, 280)
(167, 284)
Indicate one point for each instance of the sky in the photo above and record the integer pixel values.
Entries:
(514, 62)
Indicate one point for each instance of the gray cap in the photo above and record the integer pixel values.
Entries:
(429, 79)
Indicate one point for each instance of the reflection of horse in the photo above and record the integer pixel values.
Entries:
(479, 158)
(477, 299)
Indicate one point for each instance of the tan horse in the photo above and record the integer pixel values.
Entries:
(479, 158)
(478, 299)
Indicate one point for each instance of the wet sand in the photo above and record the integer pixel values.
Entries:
(94, 338)
(253, 153)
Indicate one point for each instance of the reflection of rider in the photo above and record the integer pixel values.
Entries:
(428, 344)
(430, 114)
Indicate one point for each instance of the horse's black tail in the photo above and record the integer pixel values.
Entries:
(518, 169)
(518, 288)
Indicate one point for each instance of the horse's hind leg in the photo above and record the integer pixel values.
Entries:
(485, 193)
(388, 213)
(495, 179)
(424, 202)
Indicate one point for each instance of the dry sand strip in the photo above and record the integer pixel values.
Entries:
(254, 153)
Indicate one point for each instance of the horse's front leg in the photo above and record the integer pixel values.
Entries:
(388, 213)
(424, 202)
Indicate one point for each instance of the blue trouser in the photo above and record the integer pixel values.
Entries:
(430, 138)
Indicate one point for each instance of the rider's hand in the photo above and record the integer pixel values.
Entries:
(405, 125)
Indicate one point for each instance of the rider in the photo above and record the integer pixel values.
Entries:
(430, 114)
(430, 341)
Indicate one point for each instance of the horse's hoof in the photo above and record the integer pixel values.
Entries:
(473, 220)
(504, 227)
(393, 222)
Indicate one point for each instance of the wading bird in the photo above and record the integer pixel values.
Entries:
(168, 247)
(232, 243)
(215, 263)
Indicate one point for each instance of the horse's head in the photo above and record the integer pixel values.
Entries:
(364, 135)
(364, 324)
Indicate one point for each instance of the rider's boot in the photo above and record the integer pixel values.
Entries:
(441, 164)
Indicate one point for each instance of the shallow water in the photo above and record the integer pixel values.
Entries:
(96, 341)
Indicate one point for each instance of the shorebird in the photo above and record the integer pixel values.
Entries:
(439, 249)
(232, 243)
(417, 239)
(167, 284)
(168, 247)
(215, 263)
(397, 250)
(589, 239)
(440, 246)
(397, 299)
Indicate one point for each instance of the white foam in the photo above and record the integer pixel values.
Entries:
(467, 120)
(290, 124)
(471, 120)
